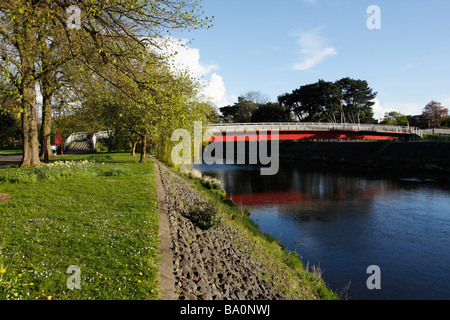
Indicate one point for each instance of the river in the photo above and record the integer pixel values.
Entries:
(345, 223)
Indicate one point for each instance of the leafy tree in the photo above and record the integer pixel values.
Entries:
(345, 100)
(109, 33)
(446, 123)
(228, 113)
(357, 100)
(240, 112)
(147, 111)
(433, 115)
(395, 118)
(271, 112)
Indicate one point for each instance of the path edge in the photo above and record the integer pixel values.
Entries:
(166, 274)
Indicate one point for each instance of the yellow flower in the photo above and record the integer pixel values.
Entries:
(31, 284)
(3, 270)
(20, 275)
(140, 273)
(49, 298)
(139, 281)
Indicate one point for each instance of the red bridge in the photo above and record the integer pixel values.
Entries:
(310, 131)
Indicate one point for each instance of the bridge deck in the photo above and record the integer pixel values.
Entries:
(311, 131)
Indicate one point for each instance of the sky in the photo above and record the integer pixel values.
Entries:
(277, 46)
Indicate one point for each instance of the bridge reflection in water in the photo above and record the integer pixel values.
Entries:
(345, 222)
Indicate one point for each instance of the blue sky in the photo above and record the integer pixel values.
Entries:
(277, 46)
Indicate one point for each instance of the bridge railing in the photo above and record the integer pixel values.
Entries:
(223, 127)
(75, 137)
(98, 135)
(437, 131)
(84, 136)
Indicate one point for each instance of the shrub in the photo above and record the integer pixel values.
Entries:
(204, 215)
(99, 158)
(112, 172)
(50, 172)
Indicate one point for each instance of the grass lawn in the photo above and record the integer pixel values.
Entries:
(100, 215)
(10, 151)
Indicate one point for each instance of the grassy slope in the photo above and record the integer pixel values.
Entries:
(106, 224)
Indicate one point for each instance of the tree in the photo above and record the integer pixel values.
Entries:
(345, 100)
(395, 118)
(240, 112)
(313, 102)
(357, 99)
(433, 115)
(271, 112)
(147, 111)
(109, 33)
(256, 97)
(446, 123)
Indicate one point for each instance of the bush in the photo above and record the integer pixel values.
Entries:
(204, 215)
(211, 183)
(50, 172)
(113, 172)
(98, 158)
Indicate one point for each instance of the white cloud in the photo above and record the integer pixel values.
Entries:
(406, 108)
(313, 49)
(215, 90)
(187, 58)
(379, 110)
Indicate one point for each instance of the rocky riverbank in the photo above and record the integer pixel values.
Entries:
(209, 264)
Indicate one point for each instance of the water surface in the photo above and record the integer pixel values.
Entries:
(345, 223)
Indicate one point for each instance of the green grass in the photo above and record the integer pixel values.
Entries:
(10, 151)
(100, 216)
(436, 138)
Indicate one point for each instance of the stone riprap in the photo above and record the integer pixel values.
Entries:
(209, 264)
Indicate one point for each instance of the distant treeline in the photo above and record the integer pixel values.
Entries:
(344, 101)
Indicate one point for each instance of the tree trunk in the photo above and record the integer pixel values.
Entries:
(144, 148)
(29, 124)
(46, 127)
(24, 34)
(133, 147)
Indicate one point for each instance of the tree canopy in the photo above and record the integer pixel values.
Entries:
(395, 118)
(433, 115)
(37, 38)
(346, 100)
(271, 112)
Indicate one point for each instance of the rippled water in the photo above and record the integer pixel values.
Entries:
(346, 223)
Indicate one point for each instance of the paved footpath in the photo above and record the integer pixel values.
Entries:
(7, 161)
